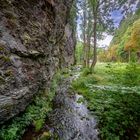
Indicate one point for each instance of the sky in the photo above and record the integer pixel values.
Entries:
(106, 41)
(117, 17)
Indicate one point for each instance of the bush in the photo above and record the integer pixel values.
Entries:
(118, 114)
(86, 71)
(83, 81)
(127, 76)
(131, 75)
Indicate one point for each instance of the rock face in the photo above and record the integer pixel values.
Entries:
(35, 40)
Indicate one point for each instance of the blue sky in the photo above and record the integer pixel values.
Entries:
(117, 16)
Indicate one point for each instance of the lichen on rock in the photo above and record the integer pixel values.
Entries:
(35, 40)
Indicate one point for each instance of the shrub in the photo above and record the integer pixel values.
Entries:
(127, 76)
(118, 114)
(86, 71)
(83, 81)
(131, 75)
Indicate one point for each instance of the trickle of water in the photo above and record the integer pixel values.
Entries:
(71, 118)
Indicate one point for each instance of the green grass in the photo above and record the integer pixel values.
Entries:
(113, 95)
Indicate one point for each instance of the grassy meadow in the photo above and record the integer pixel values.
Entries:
(112, 92)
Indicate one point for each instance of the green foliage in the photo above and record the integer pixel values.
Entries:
(86, 71)
(129, 75)
(38, 124)
(34, 114)
(83, 81)
(73, 15)
(132, 75)
(126, 38)
(116, 107)
(115, 72)
(79, 52)
(118, 113)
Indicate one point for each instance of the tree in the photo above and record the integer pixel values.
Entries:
(135, 36)
(83, 6)
(88, 43)
(101, 11)
(86, 27)
(102, 14)
(89, 32)
(133, 44)
(122, 37)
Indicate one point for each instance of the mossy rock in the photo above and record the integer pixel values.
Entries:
(26, 37)
(10, 14)
(4, 61)
(2, 80)
(46, 136)
(8, 73)
(1, 48)
(12, 23)
(5, 58)
(80, 100)
(38, 124)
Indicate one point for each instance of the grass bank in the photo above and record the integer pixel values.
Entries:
(113, 94)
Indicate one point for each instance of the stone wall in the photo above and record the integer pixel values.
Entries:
(35, 40)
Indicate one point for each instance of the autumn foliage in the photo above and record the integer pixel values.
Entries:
(125, 45)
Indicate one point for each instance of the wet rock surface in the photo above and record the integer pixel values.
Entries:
(70, 118)
(35, 40)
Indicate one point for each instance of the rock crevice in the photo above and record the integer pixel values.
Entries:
(35, 40)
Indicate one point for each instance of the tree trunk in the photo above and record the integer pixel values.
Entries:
(88, 52)
(95, 42)
(84, 38)
(138, 55)
(129, 55)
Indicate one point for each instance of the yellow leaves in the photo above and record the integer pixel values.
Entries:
(112, 53)
(136, 33)
(129, 45)
(109, 55)
(134, 41)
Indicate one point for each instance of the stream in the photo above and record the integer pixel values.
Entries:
(70, 118)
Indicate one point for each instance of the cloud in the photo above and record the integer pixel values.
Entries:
(106, 41)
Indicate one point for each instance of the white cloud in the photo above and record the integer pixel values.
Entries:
(106, 41)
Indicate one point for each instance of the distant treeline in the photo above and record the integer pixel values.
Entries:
(125, 46)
